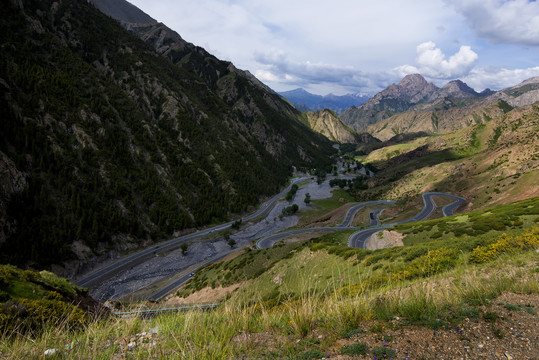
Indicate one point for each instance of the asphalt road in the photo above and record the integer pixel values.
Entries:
(180, 281)
(351, 213)
(358, 238)
(140, 256)
(375, 221)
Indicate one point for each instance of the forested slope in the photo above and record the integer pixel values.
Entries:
(104, 142)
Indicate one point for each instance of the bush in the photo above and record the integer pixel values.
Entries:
(432, 262)
(35, 315)
(384, 352)
(505, 244)
(354, 349)
(311, 354)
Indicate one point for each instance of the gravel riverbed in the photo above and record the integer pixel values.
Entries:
(164, 266)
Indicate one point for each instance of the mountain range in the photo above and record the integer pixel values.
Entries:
(412, 90)
(305, 101)
(118, 133)
(447, 113)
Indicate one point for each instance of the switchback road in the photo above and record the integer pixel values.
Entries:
(358, 238)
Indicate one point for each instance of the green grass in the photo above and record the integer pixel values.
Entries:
(291, 292)
(503, 218)
(323, 206)
(289, 328)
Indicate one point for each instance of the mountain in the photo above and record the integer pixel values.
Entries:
(412, 92)
(455, 89)
(305, 101)
(327, 123)
(108, 141)
(435, 121)
(525, 93)
(396, 98)
(454, 110)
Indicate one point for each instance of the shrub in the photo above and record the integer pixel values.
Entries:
(505, 244)
(32, 315)
(432, 262)
(354, 349)
(311, 354)
(348, 334)
(383, 352)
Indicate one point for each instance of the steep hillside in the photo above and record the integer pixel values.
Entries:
(450, 117)
(29, 300)
(522, 94)
(123, 11)
(493, 161)
(327, 123)
(104, 143)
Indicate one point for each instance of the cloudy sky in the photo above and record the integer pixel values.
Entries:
(361, 46)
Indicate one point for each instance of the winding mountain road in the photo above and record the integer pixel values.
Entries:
(350, 215)
(141, 256)
(359, 238)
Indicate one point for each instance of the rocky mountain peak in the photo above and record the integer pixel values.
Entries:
(533, 80)
(456, 89)
(459, 85)
(410, 90)
(413, 81)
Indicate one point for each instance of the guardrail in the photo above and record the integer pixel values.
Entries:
(153, 312)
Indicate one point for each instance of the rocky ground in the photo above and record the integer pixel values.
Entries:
(384, 239)
(512, 333)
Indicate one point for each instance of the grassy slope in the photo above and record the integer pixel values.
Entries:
(33, 301)
(490, 163)
(313, 295)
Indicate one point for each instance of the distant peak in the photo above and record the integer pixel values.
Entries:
(296, 91)
(458, 83)
(412, 79)
(533, 80)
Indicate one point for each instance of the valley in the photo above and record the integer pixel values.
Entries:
(158, 202)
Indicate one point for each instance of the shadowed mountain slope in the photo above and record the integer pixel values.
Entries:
(105, 143)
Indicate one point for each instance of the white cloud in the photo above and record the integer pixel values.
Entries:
(349, 44)
(502, 21)
(277, 63)
(431, 62)
(279, 71)
(498, 79)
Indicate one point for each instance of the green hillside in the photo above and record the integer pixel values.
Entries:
(318, 298)
(492, 162)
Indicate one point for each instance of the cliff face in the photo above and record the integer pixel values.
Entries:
(109, 141)
(327, 123)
